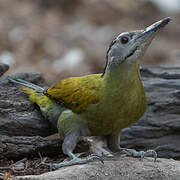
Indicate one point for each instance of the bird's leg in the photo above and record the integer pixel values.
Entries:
(99, 147)
(76, 160)
(69, 144)
(113, 143)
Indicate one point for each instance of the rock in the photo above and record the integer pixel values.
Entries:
(17, 115)
(3, 68)
(118, 168)
(17, 147)
(158, 129)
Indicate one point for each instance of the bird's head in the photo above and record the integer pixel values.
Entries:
(130, 46)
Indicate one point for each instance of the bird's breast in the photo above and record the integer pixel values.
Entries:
(116, 110)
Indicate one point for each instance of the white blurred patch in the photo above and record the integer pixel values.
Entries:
(7, 58)
(71, 59)
(88, 31)
(168, 6)
(16, 34)
(175, 55)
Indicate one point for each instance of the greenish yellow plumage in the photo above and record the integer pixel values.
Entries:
(77, 92)
(120, 105)
(48, 107)
(99, 104)
(36, 97)
(106, 104)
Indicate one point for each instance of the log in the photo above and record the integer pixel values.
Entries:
(159, 128)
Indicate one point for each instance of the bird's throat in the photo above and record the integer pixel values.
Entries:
(123, 75)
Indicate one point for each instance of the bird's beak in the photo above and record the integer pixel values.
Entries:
(149, 33)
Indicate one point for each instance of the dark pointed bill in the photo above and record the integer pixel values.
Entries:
(154, 27)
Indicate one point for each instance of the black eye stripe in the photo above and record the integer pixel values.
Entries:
(110, 46)
(131, 52)
(112, 43)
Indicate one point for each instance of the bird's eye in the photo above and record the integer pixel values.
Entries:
(124, 39)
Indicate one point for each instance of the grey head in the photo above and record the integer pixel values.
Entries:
(131, 46)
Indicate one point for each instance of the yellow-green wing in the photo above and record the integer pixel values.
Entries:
(77, 92)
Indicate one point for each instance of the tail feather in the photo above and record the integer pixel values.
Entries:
(49, 108)
(26, 84)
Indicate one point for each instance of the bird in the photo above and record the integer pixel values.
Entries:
(99, 104)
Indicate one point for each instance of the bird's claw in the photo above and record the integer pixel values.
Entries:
(150, 151)
(141, 154)
(94, 156)
(76, 160)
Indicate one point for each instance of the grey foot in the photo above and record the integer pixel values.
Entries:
(141, 154)
(76, 160)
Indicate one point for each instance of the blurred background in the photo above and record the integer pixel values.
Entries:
(63, 38)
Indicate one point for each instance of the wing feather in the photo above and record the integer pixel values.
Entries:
(77, 92)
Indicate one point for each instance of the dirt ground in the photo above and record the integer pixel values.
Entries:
(28, 166)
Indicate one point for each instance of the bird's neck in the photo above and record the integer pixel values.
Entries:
(123, 87)
(122, 75)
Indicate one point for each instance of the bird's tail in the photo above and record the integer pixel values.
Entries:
(31, 89)
(49, 108)
(26, 84)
